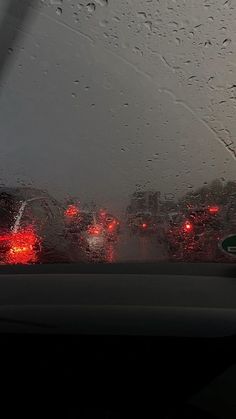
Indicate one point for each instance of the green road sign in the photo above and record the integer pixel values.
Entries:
(228, 245)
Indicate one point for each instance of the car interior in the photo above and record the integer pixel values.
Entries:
(150, 339)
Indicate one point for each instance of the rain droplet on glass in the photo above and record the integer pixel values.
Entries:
(91, 7)
(59, 11)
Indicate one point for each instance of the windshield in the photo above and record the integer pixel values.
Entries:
(123, 115)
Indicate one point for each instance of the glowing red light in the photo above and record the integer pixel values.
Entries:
(112, 225)
(4, 237)
(213, 210)
(95, 230)
(144, 225)
(21, 247)
(71, 211)
(188, 227)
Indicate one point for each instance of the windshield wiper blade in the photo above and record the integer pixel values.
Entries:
(15, 15)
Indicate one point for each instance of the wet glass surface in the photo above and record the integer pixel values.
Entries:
(123, 112)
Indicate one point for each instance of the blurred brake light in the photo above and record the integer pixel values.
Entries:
(144, 225)
(213, 210)
(71, 211)
(188, 227)
(21, 247)
(95, 230)
(4, 237)
(112, 226)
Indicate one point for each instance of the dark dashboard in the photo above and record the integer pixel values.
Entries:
(115, 340)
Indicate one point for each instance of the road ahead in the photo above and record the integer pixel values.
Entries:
(136, 248)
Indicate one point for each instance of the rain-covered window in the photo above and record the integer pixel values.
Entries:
(121, 115)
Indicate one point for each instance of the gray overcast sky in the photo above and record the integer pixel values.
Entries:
(110, 94)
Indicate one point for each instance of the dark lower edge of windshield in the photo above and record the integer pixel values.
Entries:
(190, 269)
